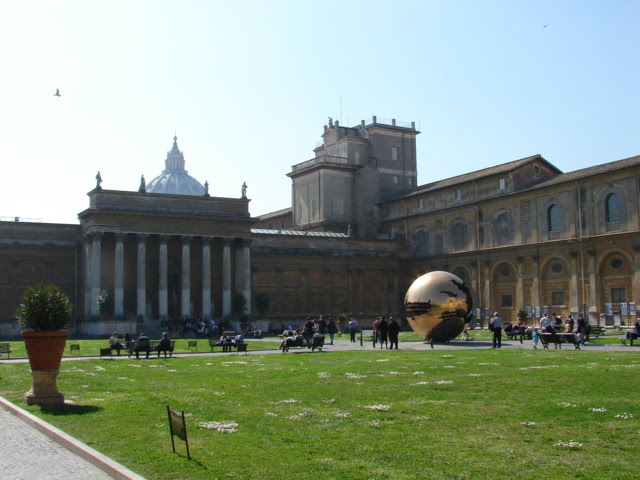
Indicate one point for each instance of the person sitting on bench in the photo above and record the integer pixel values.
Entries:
(142, 345)
(164, 345)
(114, 343)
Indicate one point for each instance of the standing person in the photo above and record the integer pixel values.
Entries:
(307, 331)
(383, 329)
(322, 325)
(353, 329)
(331, 330)
(535, 336)
(496, 326)
(394, 329)
(375, 334)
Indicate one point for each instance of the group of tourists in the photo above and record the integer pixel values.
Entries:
(142, 344)
(551, 324)
(386, 334)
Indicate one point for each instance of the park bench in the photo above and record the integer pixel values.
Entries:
(596, 331)
(226, 347)
(74, 347)
(559, 338)
(630, 336)
(5, 347)
(192, 344)
(516, 332)
(156, 343)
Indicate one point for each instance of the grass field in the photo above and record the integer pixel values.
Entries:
(477, 414)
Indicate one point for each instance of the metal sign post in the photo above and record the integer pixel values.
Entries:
(178, 427)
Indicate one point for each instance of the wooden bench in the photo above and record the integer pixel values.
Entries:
(559, 338)
(5, 347)
(74, 347)
(629, 336)
(596, 331)
(192, 344)
(156, 343)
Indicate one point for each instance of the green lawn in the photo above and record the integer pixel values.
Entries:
(477, 414)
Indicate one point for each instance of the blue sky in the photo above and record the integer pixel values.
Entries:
(248, 85)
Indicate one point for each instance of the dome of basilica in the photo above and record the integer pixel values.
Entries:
(175, 180)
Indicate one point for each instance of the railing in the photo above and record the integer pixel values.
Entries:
(322, 159)
(21, 219)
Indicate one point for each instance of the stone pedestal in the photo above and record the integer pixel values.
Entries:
(44, 390)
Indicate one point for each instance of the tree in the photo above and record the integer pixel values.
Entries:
(238, 304)
(262, 301)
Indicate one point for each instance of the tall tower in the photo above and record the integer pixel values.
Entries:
(354, 169)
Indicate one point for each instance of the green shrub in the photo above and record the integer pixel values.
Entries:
(44, 308)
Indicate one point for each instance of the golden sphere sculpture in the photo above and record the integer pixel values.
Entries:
(438, 306)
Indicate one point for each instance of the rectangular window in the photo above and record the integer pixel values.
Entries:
(338, 206)
(618, 295)
(501, 184)
(410, 181)
(438, 244)
(420, 203)
(356, 158)
(557, 299)
(458, 195)
(507, 301)
(394, 153)
(313, 209)
(386, 211)
(396, 180)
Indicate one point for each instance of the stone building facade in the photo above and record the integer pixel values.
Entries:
(523, 235)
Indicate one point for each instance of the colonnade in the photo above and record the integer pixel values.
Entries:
(93, 276)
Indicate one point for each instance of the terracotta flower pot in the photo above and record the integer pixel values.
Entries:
(45, 348)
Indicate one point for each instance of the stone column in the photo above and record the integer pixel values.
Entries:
(96, 258)
(118, 276)
(396, 293)
(635, 282)
(141, 279)
(246, 273)
(325, 291)
(535, 288)
(360, 291)
(206, 278)
(304, 305)
(487, 288)
(163, 287)
(349, 274)
(278, 299)
(594, 318)
(574, 293)
(385, 292)
(519, 285)
(185, 277)
(88, 259)
(226, 277)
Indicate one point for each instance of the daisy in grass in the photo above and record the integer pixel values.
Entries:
(290, 400)
(528, 424)
(354, 375)
(443, 382)
(418, 373)
(567, 405)
(341, 414)
(625, 415)
(570, 444)
(223, 427)
(380, 407)
(323, 374)
(598, 410)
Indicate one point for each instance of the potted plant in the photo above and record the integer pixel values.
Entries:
(238, 304)
(262, 302)
(105, 303)
(43, 313)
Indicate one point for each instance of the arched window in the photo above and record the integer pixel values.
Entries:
(613, 208)
(421, 243)
(553, 218)
(503, 229)
(459, 238)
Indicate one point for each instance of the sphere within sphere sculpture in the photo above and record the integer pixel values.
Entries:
(439, 305)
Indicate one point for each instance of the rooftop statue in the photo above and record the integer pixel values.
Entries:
(143, 185)
(98, 181)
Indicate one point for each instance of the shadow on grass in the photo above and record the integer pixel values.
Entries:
(70, 409)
